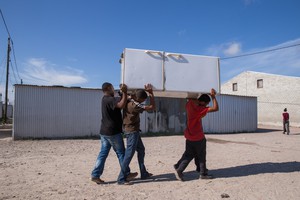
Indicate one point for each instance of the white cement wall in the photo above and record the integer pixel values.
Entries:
(278, 92)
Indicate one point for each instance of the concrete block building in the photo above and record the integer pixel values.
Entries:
(273, 92)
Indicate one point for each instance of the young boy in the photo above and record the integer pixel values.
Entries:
(195, 146)
(131, 123)
(111, 129)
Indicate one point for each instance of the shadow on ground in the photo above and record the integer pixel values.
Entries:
(267, 130)
(258, 168)
(230, 172)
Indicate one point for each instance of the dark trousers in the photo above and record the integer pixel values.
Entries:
(286, 126)
(193, 149)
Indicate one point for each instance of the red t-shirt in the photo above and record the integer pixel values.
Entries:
(194, 130)
(285, 116)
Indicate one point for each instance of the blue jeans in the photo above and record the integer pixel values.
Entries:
(115, 141)
(134, 143)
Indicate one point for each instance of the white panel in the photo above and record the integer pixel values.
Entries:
(191, 73)
(179, 75)
(141, 67)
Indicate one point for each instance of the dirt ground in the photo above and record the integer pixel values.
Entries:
(261, 165)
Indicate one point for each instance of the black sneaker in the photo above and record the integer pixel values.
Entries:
(179, 175)
(206, 176)
(148, 176)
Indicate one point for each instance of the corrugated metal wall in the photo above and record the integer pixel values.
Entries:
(60, 112)
(236, 114)
(56, 112)
(1, 110)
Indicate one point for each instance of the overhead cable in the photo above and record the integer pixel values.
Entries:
(260, 52)
(4, 22)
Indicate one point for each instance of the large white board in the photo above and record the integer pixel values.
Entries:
(170, 73)
(142, 66)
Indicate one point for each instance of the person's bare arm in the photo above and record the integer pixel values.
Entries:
(215, 106)
(148, 88)
(121, 104)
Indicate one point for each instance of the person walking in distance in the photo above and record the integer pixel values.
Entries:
(286, 122)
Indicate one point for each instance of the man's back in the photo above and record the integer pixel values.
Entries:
(285, 116)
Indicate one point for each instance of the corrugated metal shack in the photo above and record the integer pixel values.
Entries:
(236, 114)
(62, 112)
(56, 112)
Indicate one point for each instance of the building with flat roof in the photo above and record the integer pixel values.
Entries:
(273, 92)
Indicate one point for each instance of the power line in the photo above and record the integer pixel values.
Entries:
(13, 48)
(259, 52)
(15, 60)
(13, 71)
(4, 22)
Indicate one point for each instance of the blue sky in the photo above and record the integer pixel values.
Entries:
(79, 42)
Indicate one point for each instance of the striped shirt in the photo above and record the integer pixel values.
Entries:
(131, 116)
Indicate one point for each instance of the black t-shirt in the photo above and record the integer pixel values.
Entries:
(111, 122)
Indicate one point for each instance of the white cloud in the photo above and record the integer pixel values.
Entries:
(226, 49)
(39, 71)
(283, 62)
(233, 49)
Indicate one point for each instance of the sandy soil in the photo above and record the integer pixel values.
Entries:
(262, 165)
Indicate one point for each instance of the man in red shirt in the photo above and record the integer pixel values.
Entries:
(286, 122)
(195, 146)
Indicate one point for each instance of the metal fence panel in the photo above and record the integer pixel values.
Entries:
(236, 114)
(56, 112)
(60, 112)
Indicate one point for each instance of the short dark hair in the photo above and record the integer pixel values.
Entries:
(205, 98)
(285, 110)
(106, 86)
(141, 94)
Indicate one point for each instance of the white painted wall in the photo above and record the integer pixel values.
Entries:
(278, 92)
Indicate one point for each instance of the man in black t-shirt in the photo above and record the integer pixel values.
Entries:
(111, 130)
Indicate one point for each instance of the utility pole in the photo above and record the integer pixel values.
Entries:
(6, 87)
